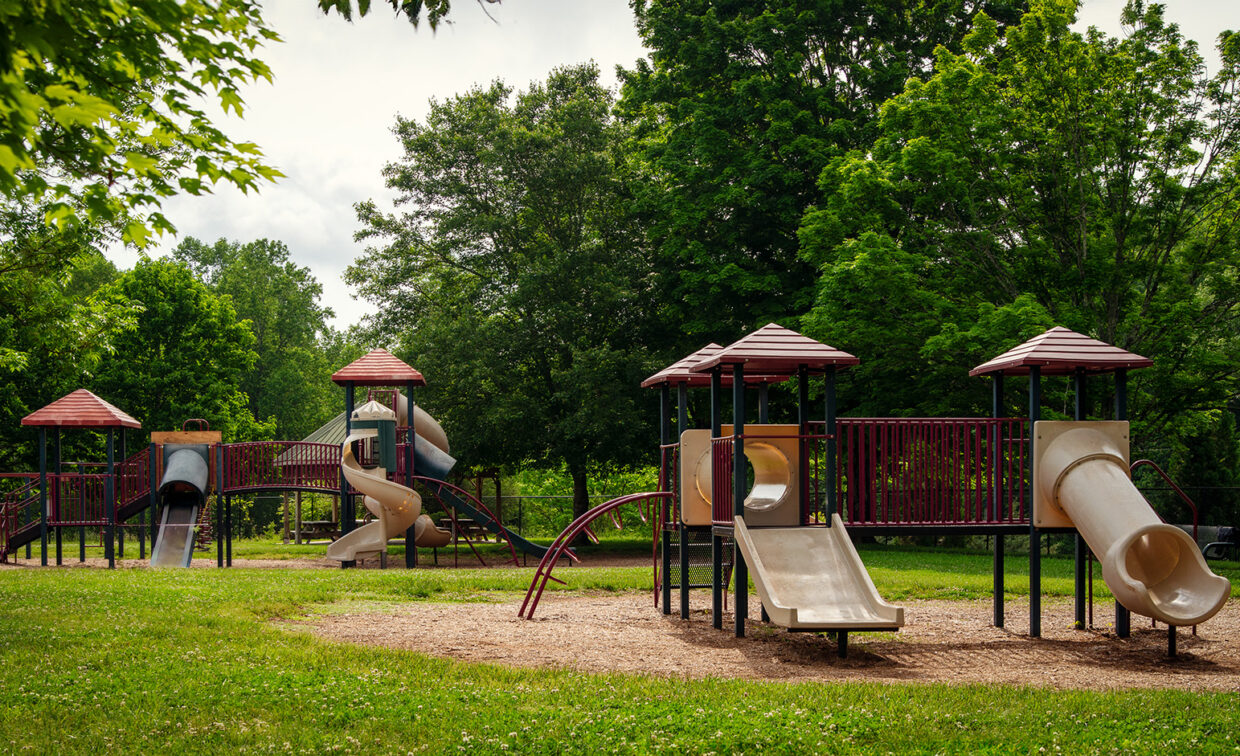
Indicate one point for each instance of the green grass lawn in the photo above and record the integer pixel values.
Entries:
(189, 661)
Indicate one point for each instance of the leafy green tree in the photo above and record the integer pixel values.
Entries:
(280, 299)
(1041, 177)
(185, 358)
(737, 112)
(99, 113)
(436, 10)
(514, 276)
(53, 331)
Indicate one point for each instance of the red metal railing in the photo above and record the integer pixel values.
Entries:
(1174, 487)
(722, 457)
(290, 465)
(932, 471)
(19, 507)
(133, 478)
(77, 499)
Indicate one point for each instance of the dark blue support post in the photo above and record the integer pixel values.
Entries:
(411, 548)
(740, 571)
(997, 410)
(803, 446)
(661, 522)
(109, 496)
(1123, 617)
(82, 509)
(832, 475)
(1080, 549)
(346, 501)
(56, 501)
(43, 502)
(219, 506)
(682, 424)
(716, 541)
(153, 495)
(120, 526)
(1035, 539)
(764, 403)
(228, 527)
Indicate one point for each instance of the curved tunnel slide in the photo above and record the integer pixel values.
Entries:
(182, 495)
(396, 507)
(1081, 480)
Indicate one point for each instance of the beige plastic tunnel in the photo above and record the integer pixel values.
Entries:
(773, 452)
(1081, 479)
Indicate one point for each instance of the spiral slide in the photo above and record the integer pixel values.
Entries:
(1081, 480)
(397, 507)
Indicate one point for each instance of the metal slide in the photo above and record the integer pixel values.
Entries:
(811, 578)
(182, 494)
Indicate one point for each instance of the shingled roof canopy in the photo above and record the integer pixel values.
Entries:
(680, 372)
(378, 368)
(1061, 351)
(80, 409)
(773, 349)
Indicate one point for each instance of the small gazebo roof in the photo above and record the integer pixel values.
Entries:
(1061, 351)
(680, 372)
(773, 349)
(80, 409)
(378, 368)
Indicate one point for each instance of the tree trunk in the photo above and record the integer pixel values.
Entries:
(581, 501)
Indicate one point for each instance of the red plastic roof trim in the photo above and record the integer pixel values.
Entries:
(378, 368)
(80, 409)
(1061, 351)
(680, 372)
(775, 349)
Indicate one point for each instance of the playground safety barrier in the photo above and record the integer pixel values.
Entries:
(932, 471)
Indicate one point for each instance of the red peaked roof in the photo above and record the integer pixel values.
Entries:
(81, 409)
(680, 372)
(1060, 351)
(378, 368)
(775, 349)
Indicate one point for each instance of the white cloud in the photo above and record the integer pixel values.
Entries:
(326, 120)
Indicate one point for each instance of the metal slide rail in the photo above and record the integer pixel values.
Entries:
(1167, 479)
(560, 546)
(133, 479)
(19, 509)
(932, 471)
(281, 465)
(437, 486)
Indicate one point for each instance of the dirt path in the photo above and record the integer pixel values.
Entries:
(943, 641)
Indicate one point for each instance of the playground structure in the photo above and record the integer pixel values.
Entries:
(815, 482)
(36, 508)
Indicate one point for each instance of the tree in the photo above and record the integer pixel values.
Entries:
(53, 330)
(436, 10)
(738, 111)
(1042, 177)
(98, 113)
(514, 276)
(185, 358)
(280, 300)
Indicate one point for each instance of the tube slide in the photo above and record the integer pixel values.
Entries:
(811, 578)
(396, 506)
(182, 494)
(1154, 569)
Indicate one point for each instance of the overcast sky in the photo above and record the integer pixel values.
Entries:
(326, 120)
